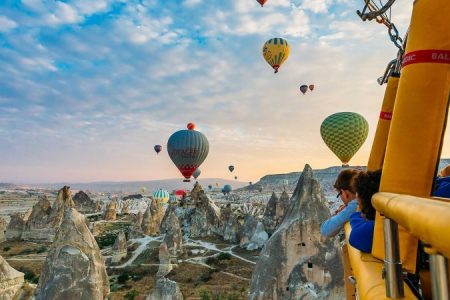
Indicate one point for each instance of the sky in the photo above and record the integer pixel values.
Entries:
(87, 88)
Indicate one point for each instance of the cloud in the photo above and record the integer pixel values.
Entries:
(6, 24)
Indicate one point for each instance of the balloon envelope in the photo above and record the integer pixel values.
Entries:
(231, 168)
(196, 173)
(262, 2)
(311, 87)
(161, 195)
(235, 177)
(303, 88)
(157, 148)
(210, 187)
(227, 188)
(275, 52)
(187, 149)
(180, 193)
(344, 133)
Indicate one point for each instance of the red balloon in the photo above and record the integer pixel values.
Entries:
(180, 193)
(261, 2)
(191, 126)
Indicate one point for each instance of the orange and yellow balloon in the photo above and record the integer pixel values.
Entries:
(275, 52)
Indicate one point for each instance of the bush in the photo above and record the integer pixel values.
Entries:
(205, 277)
(123, 278)
(6, 249)
(131, 295)
(205, 294)
(29, 275)
(212, 260)
(41, 249)
(224, 255)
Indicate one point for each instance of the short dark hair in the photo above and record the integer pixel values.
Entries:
(344, 180)
(366, 184)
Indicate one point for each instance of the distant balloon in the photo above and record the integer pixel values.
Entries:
(344, 133)
(311, 87)
(188, 149)
(210, 187)
(231, 168)
(217, 184)
(227, 188)
(157, 148)
(161, 195)
(303, 88)
(250, 183)
(143, 189)
(196, 173)
(180, 193)
(235, 177)
(275, 52)
(173, 199)
(262, 2)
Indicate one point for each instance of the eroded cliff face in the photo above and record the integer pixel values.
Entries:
(152, 218)
(11, 281)
(205, 219)
(296, 262)
(74, 267)
(84, 204)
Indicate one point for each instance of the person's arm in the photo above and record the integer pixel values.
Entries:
(361, 235)
(333, 225)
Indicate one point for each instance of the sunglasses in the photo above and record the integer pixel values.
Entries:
(339, 194)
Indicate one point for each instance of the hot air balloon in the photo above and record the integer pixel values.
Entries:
(344, 133)
(157, 148)
(217, 184)
(191, 126)
(188, 149)
(173, 199)
(231, 168)
(311, 87)
(235, 177)
(303, 88)
(250, 183)
(262, 2)
(196, 173)
(180, 193)
(275, 52)
(161, 195)
(210, 187)
(227, 188)
(143, 189)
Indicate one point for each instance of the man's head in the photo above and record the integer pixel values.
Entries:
(343, 185)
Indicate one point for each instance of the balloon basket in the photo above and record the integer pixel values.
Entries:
(186, 180)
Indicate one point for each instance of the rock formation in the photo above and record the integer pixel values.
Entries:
(165, 290)
(165, 266)
(230, 225)
(45, 219)
(152, 218)
(125, 208)
(170, 227)
(274, 211)
(3, 225)
(206, 218)
(296, 263)
(74, 267)
(111, 211)
(119, 249)
(16, 225)
(283, 204)
(135, 230)
(11, 281)
(252, 234)
(83, 203)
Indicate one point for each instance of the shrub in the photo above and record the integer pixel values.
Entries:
(205, 294)
(131, 295)
(205, 277)
(211, 260)
(123, 278)
(224, 255)
(29, 276)
(6, 249)
(41, 249)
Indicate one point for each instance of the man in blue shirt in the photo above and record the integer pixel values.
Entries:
(343, 185)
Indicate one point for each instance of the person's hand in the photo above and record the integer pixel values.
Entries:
(340, 208)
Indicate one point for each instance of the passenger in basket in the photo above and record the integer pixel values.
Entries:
(366, 184)
(442, 184)
(333, 225)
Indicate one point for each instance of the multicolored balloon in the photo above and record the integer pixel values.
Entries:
(188, 149)
(262, 2)
(303, 88)
(196, 173)
(161, 195)
(275, 52)
(344, 133)
(231, 168)
(157, 148)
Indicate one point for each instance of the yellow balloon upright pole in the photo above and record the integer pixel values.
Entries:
(384, 123)
(420, 114)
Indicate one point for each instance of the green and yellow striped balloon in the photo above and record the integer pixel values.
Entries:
(344, 133)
